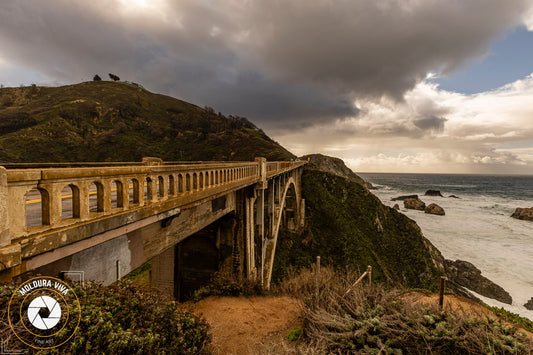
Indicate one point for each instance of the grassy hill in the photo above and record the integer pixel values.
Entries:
(113, 121)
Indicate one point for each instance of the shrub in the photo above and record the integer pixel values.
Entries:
(125, 319)
(224, 285)
(374, 320)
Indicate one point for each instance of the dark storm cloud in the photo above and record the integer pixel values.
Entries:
(280, 63)
(432, 123)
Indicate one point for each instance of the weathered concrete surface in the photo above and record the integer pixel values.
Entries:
(106, 262)
(4, 216)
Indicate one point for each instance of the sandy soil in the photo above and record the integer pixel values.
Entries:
(246, 325)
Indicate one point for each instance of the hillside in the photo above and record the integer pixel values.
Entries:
(113, 121)
(348, 226)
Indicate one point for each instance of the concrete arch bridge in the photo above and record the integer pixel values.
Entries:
(189, 219)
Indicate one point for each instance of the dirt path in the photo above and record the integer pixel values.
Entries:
(243, 325)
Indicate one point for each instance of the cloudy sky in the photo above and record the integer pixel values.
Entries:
(387, 85)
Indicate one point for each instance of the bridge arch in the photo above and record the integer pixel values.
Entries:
(290, 200)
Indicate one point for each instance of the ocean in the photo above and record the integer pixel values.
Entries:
(477, 226)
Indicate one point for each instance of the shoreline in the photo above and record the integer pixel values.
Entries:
(477, 229)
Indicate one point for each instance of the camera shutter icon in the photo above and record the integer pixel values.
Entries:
(53, 307)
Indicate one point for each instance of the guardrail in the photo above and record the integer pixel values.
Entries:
(53, 196)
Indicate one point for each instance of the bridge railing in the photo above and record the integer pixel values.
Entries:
(47, 198)
(278, 167)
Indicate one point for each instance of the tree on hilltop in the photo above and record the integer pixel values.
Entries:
(97, 78)
(114, 77)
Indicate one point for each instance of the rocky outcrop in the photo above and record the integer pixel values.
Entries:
(523, 213)
(414, 204)
(334, 166)
(396, 207)
(434, 209)
(401, 198)
(433, 193)
(467, 275)
(529, 304)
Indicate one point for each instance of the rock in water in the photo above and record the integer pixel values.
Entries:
(469, 276)
(402, 198)
(523, 213)
(453, 196)
(433, 193)
(396, 207)
(414, 204)
(529, 304)
(434, 209)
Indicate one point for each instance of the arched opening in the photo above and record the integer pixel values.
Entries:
(194, 182)
(133, 191)
(148, 190)
(171, 185)
(200, 181)
(70, 202)
(160, 187)
(96, 197)
(117, 199)
(180, 184)
(37, 208)
(188, 182)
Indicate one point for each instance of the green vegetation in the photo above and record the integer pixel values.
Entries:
(115, 121)
(295, 334)
(224, 285)
(513, 318)
(349, 227)
(123, 318)
(375, 320)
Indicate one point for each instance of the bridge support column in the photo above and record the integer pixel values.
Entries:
(251, 271)
(260, 222)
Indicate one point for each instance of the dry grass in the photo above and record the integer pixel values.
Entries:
(377, 320)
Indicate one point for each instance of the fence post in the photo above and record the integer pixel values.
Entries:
(369, 270)
(441, 294)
